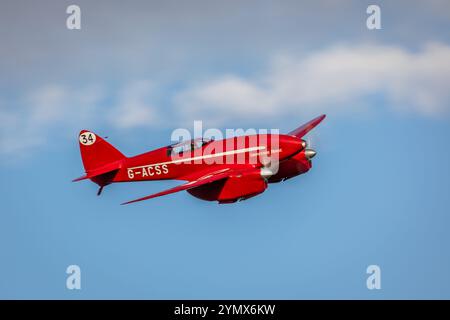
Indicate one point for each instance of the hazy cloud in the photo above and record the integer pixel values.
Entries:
(51, 111)
(331, 80)
(134, 106)
(27, 121)
(334, 80)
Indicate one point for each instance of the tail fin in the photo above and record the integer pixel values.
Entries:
(96, 152)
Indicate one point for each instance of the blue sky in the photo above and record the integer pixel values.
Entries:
(377, 193)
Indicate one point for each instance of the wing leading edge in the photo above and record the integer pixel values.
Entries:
(304, 129)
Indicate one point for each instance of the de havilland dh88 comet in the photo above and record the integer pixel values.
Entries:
(226, 171)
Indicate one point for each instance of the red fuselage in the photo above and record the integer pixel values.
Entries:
(235, 152)
(255, 152)
(225, 170)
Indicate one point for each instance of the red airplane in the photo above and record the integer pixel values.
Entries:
(226, 170)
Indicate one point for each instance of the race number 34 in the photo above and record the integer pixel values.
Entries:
(87, 138)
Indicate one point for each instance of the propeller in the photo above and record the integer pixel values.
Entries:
(301, 131)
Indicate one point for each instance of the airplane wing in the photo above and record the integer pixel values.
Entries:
(304, 129)
(207, 178)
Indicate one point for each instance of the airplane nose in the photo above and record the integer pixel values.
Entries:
(309, 153)
(289, 146)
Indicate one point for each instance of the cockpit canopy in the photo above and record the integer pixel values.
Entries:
(187, 146)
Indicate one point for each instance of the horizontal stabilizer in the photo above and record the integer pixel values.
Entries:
(80, 178)
(110, 167)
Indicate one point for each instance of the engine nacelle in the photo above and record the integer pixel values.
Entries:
(236, 187)
(292, 167)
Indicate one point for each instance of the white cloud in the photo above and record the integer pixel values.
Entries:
(134, 107)
(337, 79)
(27, 121)
(331, 80)
(32, 120)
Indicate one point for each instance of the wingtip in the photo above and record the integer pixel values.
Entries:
(305, 128)
(128, 202)
(136, 200)
(322, 117)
